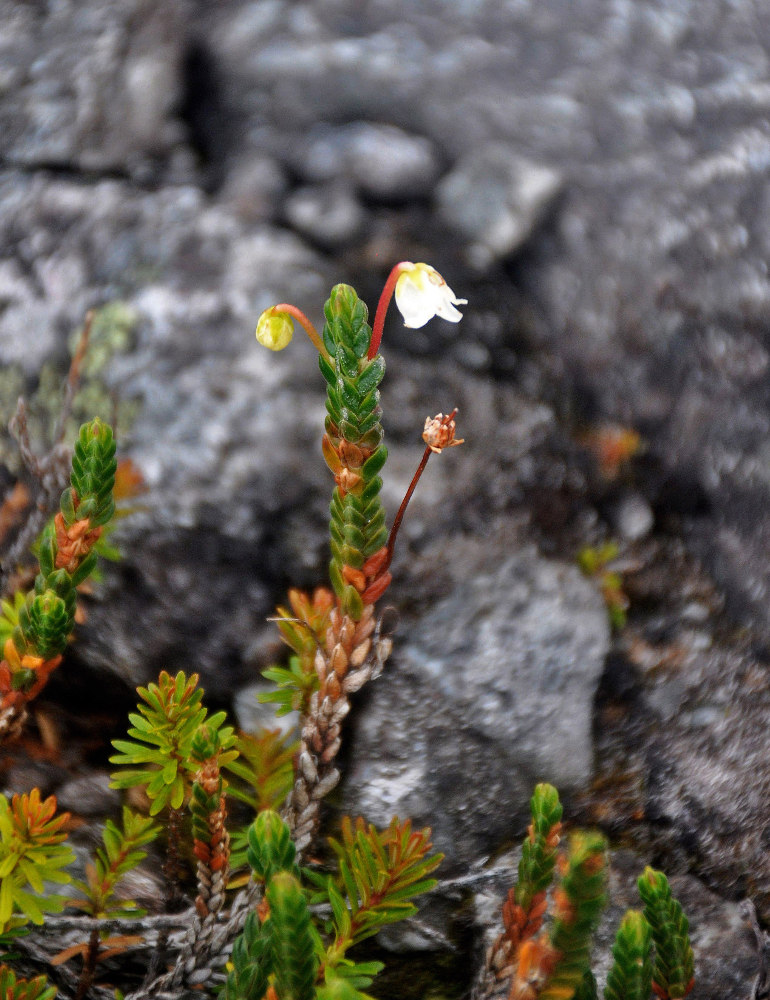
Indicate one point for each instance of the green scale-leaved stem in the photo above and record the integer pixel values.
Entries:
(579, 900)
(353, 445)
(674, 962)
(630, 977)
(46, 620)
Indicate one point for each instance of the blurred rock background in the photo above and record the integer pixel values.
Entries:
(594, 177)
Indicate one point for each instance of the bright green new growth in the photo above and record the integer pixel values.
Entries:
(554, 964)
(265, 765)
(271, 848)
(93, 476)
(164, 730)
(379, 874)
(674, 962)
(630, 977)
(284, 944)
(46, 621)
(9, 619)
(293, 687)
(47, 617)
(539, 851)
(340, 989)
(587, 988)
(265, 769)
(352, 447)
(294, 939)
(121, 853)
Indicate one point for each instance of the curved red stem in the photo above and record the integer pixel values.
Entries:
(304, 322)
(382, 307)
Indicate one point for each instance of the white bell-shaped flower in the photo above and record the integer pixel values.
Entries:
(421, 294)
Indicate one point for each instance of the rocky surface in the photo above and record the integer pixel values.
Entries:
(593, 178)
(92, 87)
(491, 692)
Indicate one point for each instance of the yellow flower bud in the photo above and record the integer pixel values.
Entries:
(275, 329)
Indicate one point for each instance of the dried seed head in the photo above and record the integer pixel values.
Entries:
(439, 432)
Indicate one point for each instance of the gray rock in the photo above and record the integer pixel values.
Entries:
(327, 214)
(492, 692)
(633, 517)
(388, 163)
(251, 715)
(89, 795)
(494, 198)
(91, 86)
(381, 160)
(255, 187)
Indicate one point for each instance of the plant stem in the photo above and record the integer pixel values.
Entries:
(306, 325)
(172, 864)
(402, 509)
(89, 965)
(382, 307)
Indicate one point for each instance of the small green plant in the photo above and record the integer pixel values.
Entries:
(379, 874)
(164, 730)
(262, 778)
(32, 853)
(37, 625)
(630, 977)
(175, 753)
(674, 963)
(121, 851)
(554, 963)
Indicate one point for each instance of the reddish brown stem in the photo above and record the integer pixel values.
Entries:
(172, 866)
(89, 966)
(382, 307)
(402, 509)
(306, 325)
